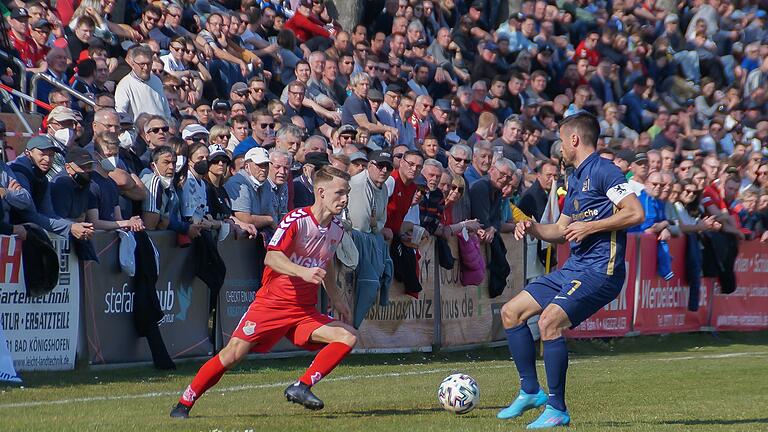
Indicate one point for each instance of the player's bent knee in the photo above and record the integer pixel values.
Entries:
(510, 316)
(347, 337)
(235, 351)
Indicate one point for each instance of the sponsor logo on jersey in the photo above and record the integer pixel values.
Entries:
(306, 261)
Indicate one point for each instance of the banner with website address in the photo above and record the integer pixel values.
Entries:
(41, 332)
(747, 307)
(109, 295)
(661, 306)
(467, 314)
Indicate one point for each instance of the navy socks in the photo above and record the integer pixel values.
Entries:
(556, 364)
(523, 350)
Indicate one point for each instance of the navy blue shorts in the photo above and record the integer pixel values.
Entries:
(580, 293)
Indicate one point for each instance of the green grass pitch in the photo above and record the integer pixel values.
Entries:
(698, 382)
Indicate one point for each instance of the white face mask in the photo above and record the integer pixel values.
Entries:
(165, 181)
(64, 135)
(180, 162)
(126, 139)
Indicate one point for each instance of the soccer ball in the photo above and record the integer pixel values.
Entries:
(459, 393)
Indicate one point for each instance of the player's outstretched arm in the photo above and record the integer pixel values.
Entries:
(552, 233)
(281, 264)
(630, 213)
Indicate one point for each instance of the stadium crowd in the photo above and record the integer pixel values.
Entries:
(211, 117)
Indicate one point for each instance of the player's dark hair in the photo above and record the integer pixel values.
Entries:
(585, 126)
(327, 173)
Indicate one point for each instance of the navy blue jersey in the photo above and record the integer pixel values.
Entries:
(594, 190)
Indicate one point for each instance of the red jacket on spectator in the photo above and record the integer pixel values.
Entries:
(581, 52)
(399, 203)
(306, 28)
(29, 53)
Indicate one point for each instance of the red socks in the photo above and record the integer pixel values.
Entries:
(208, 375)
(326, 360)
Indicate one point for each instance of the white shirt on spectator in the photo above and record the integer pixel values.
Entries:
(170, 64)
(134, 96)
(636, 186)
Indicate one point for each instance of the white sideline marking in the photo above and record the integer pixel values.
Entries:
(355, 377)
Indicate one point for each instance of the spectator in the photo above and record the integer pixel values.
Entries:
(61, 130)
(611, 126)
(31, 171)
(638, 107)
(295, 107)
(161, 209)
(358, 162)
(279, 171)
(481, 162)
(103, 209)
(639, 170)
(141, 91)
(486, 196)
(534, 200)
(302, 185)
(70, 187)
(357, 112)
(512, 148)
(250, 196)
(369, 213)
(655, 216)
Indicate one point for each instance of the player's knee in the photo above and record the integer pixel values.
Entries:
(348, 337)
(549, 326)
(511, 315)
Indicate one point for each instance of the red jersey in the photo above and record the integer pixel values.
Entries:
(399, 203)
(305, 243)
(28, 51)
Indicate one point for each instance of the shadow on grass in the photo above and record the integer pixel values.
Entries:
(681, 422)
(674, 343)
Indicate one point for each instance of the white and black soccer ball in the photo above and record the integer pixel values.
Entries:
(459, 393)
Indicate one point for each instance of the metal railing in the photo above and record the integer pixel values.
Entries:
(40, 76)
(6, 97)
(22, 69)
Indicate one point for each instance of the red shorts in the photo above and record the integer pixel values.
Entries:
(264, 325)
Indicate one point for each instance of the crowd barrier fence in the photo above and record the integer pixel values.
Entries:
(90, 311)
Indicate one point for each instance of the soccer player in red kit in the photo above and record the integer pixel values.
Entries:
(299, 257)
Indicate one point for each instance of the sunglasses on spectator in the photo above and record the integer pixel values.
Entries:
(155, 130)
(257, 90)
(226, 137)
(398, 155)
(457, 188)
(347, 137)
(690, 191)
(267, 125)
(466, 161)
(382, 166)
(220, 160)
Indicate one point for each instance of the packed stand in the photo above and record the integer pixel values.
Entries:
(209, 119)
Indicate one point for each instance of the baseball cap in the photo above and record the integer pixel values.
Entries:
(192, 130)
(375, 95)
(239, 87)
(490, 46)
(220, 105)
(20, 13)
(60, 114)
(79, 156)
(394, 88)
(348, 129)
(671, 18)
(257, 155)
(41, 23)
(318, 159)
(41, 142)
(443, 105)
(640, 158)
(215, 151)
(478, 5)
(358, 155)
(381, 157)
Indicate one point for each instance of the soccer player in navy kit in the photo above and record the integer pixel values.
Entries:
(599, 207)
